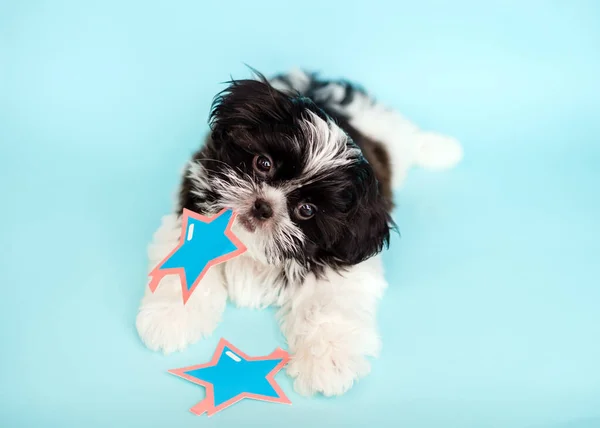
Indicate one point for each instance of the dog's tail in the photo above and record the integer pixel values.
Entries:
(406, 144)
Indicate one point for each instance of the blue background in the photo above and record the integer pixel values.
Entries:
(493, 314)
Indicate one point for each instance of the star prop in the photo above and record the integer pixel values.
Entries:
(204, 242)
(232, 375)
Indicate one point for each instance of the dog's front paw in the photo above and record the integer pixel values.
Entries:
(326, 368)
(165, 324)
(435, 151)
(169, 326)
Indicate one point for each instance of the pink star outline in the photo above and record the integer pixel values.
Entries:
(157, 273)
(207, 405)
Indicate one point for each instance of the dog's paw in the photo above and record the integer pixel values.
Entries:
(323, 368)
(165, 324)
(435, 151)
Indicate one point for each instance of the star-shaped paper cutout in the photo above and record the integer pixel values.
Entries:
(204, 242)
(232, 375)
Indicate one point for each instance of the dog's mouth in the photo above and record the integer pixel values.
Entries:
(247, 223)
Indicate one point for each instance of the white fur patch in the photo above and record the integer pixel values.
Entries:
(298, 81)
(327, 148)
(253, 284)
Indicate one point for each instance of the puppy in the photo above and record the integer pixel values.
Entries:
(310, 166)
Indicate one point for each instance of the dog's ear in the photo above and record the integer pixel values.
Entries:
(368, 223)
(249, 104)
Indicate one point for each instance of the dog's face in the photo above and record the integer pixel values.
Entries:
(302, 189)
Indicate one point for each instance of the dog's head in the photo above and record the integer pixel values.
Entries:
(302, 189)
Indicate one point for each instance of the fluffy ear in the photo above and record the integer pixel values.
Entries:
(249, 104)
(368, 223)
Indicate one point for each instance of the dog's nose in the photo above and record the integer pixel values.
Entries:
(262, 210)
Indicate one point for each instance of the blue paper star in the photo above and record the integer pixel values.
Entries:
(232, 375)
(204, 242)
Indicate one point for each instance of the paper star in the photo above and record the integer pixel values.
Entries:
(232, 376)
(204, 242)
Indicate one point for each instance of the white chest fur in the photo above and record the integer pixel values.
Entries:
(253, 284)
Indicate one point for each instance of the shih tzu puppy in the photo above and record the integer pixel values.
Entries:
(309, 165)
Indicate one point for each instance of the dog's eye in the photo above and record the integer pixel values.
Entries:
(262, 164)
(305, 211)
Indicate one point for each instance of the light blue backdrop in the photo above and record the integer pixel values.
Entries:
(493, 314)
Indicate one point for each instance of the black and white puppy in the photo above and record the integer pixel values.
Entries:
(310, 166)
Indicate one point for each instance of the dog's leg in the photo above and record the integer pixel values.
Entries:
(331, 328)
(407, 145)
(163, 321)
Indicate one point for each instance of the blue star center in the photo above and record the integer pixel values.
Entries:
(203, 242)
(233, 375)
